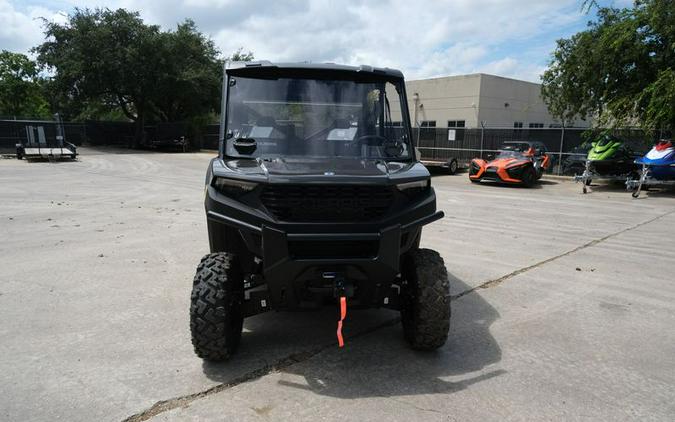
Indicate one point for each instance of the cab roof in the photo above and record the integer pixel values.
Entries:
(267, 69)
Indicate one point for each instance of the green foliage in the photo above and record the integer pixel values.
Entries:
(109, 63)
(619, 70)
(21, 89)
(190, 75)
(103, 56)
(241, 56)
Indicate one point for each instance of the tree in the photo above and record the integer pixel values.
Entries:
(21, 92)
(191, 75)
(620, 70)
(241, 56)
(105, 60)
(104, 56)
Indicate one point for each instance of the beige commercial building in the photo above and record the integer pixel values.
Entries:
(468, 100)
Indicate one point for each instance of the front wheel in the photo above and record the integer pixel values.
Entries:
(425, 311)
(529, 177)
(216, 318)
(540, 172)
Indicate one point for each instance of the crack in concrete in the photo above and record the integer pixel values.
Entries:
(186, 400)
(414, 406)
(495, 282)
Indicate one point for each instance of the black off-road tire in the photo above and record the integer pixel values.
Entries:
(529, 177)
(540, 173)
(425, 313)
(216, 317)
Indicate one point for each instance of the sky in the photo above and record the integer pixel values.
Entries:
(423, 38)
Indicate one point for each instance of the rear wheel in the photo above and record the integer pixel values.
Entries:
(425, 311)
(452, 166)
(216, 317)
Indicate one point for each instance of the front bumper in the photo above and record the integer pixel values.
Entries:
(295, 256)
(502, 174)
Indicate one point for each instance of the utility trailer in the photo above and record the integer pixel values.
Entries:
(450, 165)
(38, 146)
(646, 181)
(658, 168)
(590, 174)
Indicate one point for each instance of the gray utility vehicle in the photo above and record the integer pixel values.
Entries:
(316, 199)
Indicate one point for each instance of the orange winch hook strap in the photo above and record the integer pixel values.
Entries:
(343, 315)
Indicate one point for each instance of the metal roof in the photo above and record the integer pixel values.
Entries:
(308, 68)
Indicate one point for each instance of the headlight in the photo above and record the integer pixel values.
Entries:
(414, 188)
(232, 187)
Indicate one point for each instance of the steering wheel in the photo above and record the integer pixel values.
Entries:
(389, 147)
(370, 140)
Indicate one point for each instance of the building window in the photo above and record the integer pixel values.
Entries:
(397, 124)
(517, 125)
(428, 123)
(536, 125)
(456, 123)
(555, 126)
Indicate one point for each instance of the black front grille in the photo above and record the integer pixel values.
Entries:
(336, 249)
(327, 203)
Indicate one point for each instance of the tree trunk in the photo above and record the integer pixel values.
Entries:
(139, 135)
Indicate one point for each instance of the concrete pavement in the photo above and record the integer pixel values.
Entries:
(564, 308)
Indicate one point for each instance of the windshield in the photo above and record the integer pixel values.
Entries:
(315, 118)
(515, 150)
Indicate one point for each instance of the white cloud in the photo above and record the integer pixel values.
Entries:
(513, 68)
(20, 28)
(424, 39)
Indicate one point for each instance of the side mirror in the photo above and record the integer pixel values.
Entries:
(245, 145)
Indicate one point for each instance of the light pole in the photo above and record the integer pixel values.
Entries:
(416, 100)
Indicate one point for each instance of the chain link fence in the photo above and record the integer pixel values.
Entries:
(94, 133)
(567, 147)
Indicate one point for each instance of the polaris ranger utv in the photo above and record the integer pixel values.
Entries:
(316, 198)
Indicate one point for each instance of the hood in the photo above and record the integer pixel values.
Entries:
(663, 153)
(505, 162)
(604, 150)
(282, 170)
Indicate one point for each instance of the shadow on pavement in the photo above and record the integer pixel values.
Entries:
(379, 363)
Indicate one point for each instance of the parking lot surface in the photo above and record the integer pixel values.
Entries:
(563, 307)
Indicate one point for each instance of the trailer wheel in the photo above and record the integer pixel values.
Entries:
(452, 166)
(425, 310)
(216, 317)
